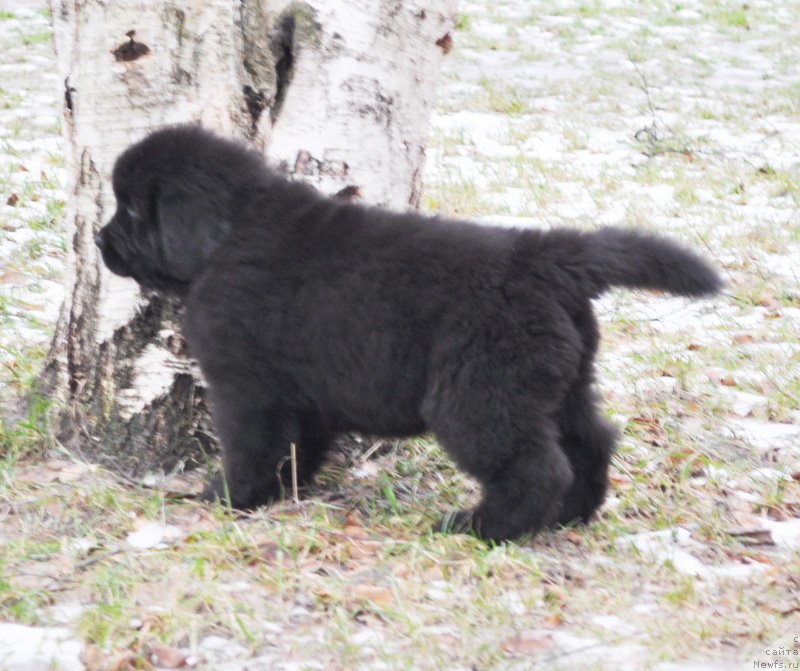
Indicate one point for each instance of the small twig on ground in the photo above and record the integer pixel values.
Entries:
(650, 134)
(377, 445)
(293, 452)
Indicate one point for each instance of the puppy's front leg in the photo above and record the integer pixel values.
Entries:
(256, 451)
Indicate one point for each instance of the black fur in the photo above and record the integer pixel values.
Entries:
(312, 316)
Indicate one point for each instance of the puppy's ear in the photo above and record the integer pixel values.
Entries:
(191, 229)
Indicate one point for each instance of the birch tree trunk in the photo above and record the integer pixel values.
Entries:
(337, 92)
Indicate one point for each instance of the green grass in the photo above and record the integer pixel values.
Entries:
(504, 99)
(732, 18)
(34, 38)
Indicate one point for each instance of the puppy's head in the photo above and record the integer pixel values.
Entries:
(178, 191)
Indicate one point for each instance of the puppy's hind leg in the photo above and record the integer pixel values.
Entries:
(523, 480)
(511, 447)
(256, 454)
(494, 404)
(588, 440)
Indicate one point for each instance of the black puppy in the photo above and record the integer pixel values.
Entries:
(311, 316)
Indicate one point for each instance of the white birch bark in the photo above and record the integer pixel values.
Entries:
(338, 92)
(363, 88)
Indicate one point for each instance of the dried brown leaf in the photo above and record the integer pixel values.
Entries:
(377, 595)
(528, 644)
(165, 657)
(750, 529)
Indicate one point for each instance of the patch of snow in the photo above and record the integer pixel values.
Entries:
(370, 638)
(65, 614)
(585, 652)
(513, 603)
(152, 535)
(615, 624)
(762, 435)
(769, 475)
(743, 403)
(213, 645)
(25, 648)
(786, 534)
(667, 546)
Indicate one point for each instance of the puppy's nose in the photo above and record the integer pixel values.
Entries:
(99, 240)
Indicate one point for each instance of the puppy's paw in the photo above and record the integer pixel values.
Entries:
(215, 490)
(457, 522)
(239, 497)
(576, 510)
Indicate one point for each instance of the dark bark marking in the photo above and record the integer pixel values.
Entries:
(68, 97)
(307, 165)
(179, 75)
(445, 43)
(256, 102)
(130, 50)
(282, 47)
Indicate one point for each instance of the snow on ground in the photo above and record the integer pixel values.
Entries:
(32, 248)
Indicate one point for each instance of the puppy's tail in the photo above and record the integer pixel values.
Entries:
(628, 258)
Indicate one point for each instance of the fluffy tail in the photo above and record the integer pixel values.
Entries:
(629, 258)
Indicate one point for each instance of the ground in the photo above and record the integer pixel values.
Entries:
(677, 117)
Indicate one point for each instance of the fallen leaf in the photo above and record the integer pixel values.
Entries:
(130, 661)
(619, 480)
(553, 621)
(756, 558)
(359, 550)
(752, 536)
(267, 551)
(13, 199)
(11, 277)
(744, 339)
(750, 529)
(527, 644)
(74, 471)
(35, 307)
(769, 302)
(54, 470)
(379, 596)
(353, 529)
(681, 456)
(767, 387)
(93, 658)
(165, 657)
